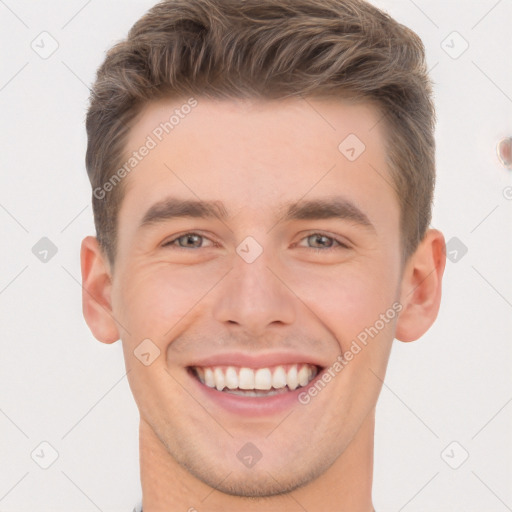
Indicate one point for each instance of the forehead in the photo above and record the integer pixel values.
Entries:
(254, 155)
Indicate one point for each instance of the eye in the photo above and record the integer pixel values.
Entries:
(315, 241)
(186, 241)
(324, 242)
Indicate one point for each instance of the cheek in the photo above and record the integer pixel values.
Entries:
(348, 299)
(156, 299)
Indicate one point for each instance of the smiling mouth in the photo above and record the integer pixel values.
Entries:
(259, 382)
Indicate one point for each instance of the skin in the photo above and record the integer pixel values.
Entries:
(254, 156)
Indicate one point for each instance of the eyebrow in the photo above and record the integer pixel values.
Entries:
(328, 208)
(171, 208)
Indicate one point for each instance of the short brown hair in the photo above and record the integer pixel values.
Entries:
(269, 49)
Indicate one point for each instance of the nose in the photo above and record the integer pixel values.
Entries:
(254, 297)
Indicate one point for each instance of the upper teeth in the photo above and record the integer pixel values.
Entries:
(276, 377)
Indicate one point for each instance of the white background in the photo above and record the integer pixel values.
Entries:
(59, 385)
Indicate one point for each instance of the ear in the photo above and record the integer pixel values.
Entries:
(420, 293)
(96, 287)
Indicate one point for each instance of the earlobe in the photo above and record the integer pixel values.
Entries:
(421, 287)
(96, 287)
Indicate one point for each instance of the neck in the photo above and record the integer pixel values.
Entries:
(346, 485)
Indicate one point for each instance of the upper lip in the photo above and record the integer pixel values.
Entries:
(267, 360)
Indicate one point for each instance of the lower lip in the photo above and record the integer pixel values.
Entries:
(252, 406)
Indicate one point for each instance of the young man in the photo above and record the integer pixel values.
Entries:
(262, 175)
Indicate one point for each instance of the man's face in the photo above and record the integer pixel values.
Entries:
(201, 291)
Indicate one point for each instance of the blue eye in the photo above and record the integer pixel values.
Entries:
(322, 240)
(186, 241)
(325, 242)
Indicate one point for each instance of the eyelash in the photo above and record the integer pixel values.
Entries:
(340, 244)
